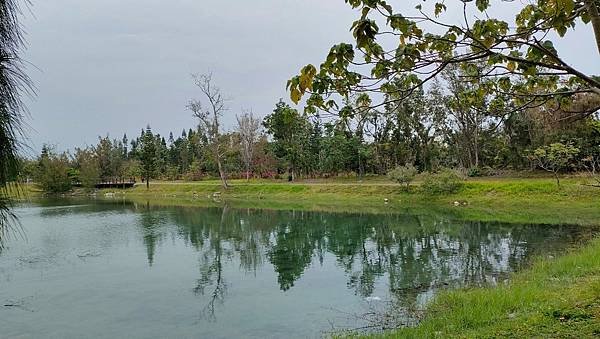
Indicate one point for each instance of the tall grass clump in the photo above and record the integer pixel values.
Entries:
(403, 175)
(446, 181)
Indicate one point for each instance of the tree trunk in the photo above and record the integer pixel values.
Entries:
(222, 173)
(476, 150)
(557, 179)
(360, 167)
(592, 9)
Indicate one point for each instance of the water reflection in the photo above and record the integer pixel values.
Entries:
(399, 258)
(150, 224)
(414, 254)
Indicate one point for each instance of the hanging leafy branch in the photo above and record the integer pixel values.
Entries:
(523, 62)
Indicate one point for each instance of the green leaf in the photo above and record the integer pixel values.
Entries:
(295, 95)
(482, 5)
(386, 6)
(548, 45)
(511, 66)
(586, 18)
(504, 83)
(439, 8)
(365, 12)
(530, 71)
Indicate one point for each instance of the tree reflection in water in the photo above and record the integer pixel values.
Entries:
(411, 255)
(151, 231)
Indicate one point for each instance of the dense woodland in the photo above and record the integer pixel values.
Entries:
(434, 128)
(416, 91)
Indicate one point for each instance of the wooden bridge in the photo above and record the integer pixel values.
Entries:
(111, 184)
(124, 184)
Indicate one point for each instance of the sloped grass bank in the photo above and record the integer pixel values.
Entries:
(555, 298)
(506, 200)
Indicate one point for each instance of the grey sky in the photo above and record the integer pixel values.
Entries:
(113, 66)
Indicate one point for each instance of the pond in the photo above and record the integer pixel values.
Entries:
(120, 269)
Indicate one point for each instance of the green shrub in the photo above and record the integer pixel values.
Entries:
(446, 181)
(403, 175)
(474, 172)
(53, 174)
(555, 158)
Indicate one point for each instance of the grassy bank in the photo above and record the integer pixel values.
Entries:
(530, 200)
(524, 200)
(555, 298)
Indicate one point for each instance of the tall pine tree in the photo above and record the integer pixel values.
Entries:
(148, 155)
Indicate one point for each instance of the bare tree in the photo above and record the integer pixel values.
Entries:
(209, 117)
(249, 129)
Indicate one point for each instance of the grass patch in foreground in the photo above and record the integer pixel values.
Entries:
(555, 298)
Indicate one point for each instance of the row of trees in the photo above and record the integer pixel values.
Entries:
(479, 93)
(434, 128)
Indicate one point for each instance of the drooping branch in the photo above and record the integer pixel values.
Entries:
(14, 83)
(522, 59)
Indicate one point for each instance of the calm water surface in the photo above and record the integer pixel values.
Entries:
(115, 270)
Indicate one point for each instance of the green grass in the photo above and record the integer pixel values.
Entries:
(555, 298)
(519, 200)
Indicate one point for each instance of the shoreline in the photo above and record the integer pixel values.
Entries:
(512, 200)
(556, 297)
(552, 297)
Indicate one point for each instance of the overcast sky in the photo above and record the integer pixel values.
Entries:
(114, 66)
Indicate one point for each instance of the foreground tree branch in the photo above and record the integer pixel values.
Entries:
(13, 84)
(524, 62)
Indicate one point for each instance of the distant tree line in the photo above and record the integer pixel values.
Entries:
(440, 127)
